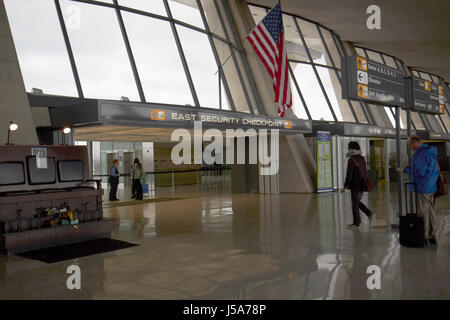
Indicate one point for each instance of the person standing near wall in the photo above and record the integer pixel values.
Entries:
(424, 172)
(114, 180)
(355, 181)
(138, 173)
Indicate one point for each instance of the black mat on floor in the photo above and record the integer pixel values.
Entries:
(76, 250)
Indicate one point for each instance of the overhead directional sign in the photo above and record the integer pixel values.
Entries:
(425, 96)
(166, 116)
(367, 80)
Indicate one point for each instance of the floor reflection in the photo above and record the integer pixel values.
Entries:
(219, 245)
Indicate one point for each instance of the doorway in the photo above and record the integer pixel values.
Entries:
(377, 162)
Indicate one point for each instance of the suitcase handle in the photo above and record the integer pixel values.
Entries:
(406, 196)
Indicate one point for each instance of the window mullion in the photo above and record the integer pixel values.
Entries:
(315, 70)
(182, 56)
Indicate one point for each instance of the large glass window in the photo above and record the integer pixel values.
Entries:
(161, 71)
(213, 18)
(381, 118)
(434, 123)
(403, 118)
(247, 79)
(314, 42)
(446, 119)
(103, 61)
(360, 52)
(390, 116)
(359, 112)
(390, 61)
(153, 6)
(333, 89)
(228, 68)
(315, 100)
(43, 59)
(331, 45)
(186, 11)
(257, 13)
(425, 76)
(294, 46)
(435, 79)
(375, 56)
(202, 66)
(418, 123)
(100, 53)
(297, 105)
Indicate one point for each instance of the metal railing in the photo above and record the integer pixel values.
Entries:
(218, 170)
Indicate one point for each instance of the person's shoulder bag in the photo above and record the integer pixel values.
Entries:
(442, 189)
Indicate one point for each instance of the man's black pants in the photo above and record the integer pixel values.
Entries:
(113, 191)
(357, 204)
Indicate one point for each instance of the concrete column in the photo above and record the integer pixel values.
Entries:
(297, 167)
(148, 162)
(244, 177)
(14, 103)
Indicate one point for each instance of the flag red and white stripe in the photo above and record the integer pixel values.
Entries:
(267, 39)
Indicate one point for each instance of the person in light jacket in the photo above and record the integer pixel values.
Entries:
(138, 173)
(424, 173)
(355, 180)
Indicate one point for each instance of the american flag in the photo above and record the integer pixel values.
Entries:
(267, 39)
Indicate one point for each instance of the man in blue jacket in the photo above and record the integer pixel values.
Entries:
(424, 173)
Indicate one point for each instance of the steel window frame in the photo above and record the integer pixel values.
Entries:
(216, 56)
(244, 61)
(173, 22)
(315, 70)
(236, 65)
(182, 55)
(337, 74)
(299, 91)
(126, 41)
(68, 45)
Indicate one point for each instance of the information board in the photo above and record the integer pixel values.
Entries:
(425, 96)
(367, 80)
(324, 162)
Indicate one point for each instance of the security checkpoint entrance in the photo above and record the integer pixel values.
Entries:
(160, 127)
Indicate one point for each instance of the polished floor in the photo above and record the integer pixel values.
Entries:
(212, 244)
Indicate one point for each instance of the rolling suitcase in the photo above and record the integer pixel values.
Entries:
(412, 228)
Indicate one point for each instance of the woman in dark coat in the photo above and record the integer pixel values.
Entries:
(355, 180)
